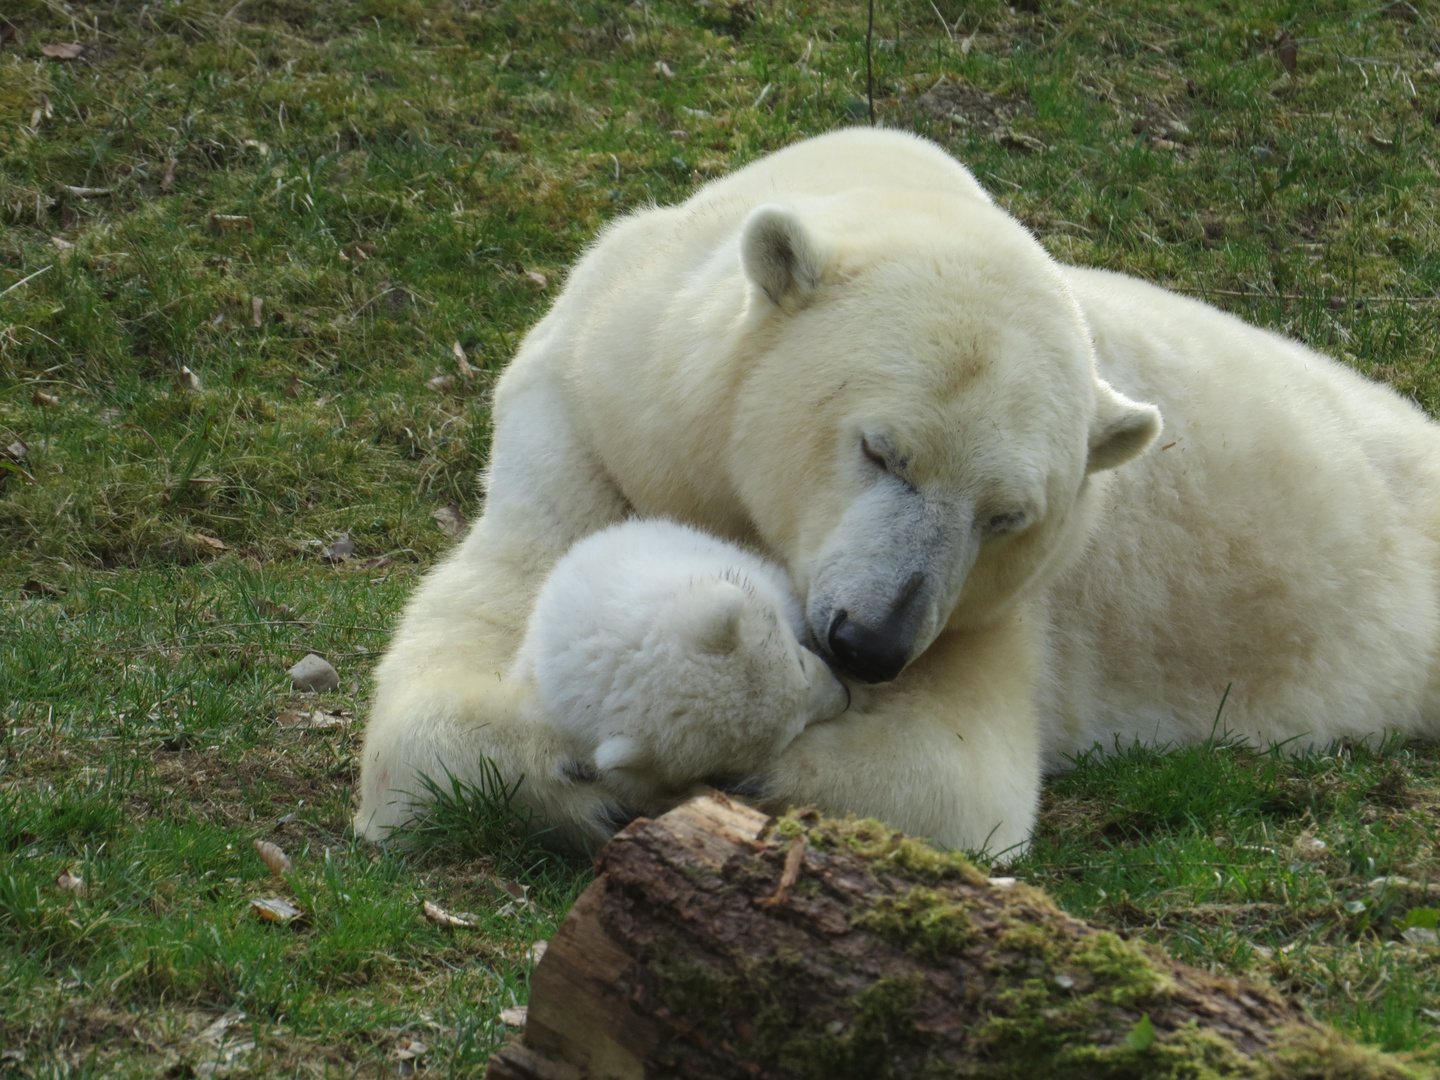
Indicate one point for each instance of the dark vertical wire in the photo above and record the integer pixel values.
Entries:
(869, 78)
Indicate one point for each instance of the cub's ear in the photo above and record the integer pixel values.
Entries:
(714, 623)
(779, 255)
(617, 752)
(1120, 430)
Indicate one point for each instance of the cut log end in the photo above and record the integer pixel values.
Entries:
(717, 942)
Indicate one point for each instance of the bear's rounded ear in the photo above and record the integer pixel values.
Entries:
(779, 255)
(715, 621)
(1120, 430)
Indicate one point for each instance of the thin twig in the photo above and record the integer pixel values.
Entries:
(1296, 296)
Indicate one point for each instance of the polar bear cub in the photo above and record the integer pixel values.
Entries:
(662, 654)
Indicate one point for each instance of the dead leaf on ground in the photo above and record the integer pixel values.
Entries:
(441, 383)
(40, 397)
(232, 222)
(519, 898)
(212, 542)
(663, 69)
(273, 856)
(70, 882)
(380, 562)
(440, 917)
(451, 521)
(88, 192)
(275, 910)
(539, 280)
(462, 364)
(1289, 50)
(407, 1048)
(215, 1033)
(340, 550)
(316, 720)
(70, 50)
(188, 379)
(16, 451)
(293, 389)
(61, 243)
(514, 1016)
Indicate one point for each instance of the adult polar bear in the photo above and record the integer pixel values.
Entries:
(847, 357)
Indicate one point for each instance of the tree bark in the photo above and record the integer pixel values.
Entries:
(716, 942)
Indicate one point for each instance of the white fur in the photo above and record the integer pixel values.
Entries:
(845, 356)
(658, 652)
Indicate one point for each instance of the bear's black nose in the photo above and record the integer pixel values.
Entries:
(870, 655)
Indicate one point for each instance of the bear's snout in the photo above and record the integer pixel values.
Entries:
(877, 653)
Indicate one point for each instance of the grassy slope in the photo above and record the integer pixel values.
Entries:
(399, 170)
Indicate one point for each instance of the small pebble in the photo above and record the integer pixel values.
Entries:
(314, 673)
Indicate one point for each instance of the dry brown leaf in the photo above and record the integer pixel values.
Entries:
(451, 521)
(318, 720)
(70, 882)
(16, 451)
(537, 279)
(408, 1047)
(462, 365)
(274, 857)
(68, 51)
(35, 115)
(293, 389)
(275, 910)
(209, 541)
(232, 222)
(188, 379)
(440, 917)
(88, 192)
(42, 398)
(1289, 50)
(514, 1016)
(61, 243)
(663, 69)
(168, 180)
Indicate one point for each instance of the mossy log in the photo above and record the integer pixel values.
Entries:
(717, 942)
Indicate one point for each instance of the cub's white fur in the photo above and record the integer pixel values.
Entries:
(658, 652)
(846, 357)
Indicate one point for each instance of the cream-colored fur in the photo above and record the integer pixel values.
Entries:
(846, 356)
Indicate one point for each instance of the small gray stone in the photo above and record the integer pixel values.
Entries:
(314, 673)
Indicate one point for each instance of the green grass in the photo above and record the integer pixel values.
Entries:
(384, 177)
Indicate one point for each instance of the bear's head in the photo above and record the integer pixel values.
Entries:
(920, 420)
(718, 674)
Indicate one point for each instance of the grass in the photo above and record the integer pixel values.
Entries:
(243, 350)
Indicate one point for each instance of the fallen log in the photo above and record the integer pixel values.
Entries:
(716, 942)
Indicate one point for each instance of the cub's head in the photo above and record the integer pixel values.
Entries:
(718, 680)
(919, 419)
